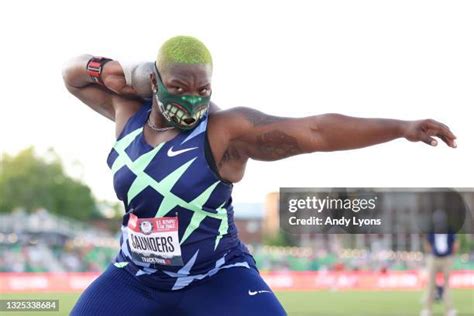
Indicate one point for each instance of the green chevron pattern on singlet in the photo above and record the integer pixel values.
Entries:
(170, 200)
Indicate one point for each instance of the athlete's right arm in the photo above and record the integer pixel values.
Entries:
(114, 100)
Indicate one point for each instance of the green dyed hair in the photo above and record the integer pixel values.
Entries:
(182, 50)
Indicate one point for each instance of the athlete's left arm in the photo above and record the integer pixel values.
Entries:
(265, 137)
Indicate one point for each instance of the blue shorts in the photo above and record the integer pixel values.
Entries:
(232, 291)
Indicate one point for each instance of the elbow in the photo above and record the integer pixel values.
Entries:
(325, 132)
(73, 71)
(315, 140)
(67, 77)
(66, 73)
(69, 74)
(316, 143)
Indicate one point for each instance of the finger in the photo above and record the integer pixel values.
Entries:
(446, 135)
(439, 123)
(439, 132)
(447, 132)
(441, 127)
(427, 139)
(449, 141)
(111, 84)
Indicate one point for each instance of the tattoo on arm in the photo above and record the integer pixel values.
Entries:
(268, 143)
(276, 145)
(258, 118)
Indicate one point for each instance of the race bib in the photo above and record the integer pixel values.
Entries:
(154, 240)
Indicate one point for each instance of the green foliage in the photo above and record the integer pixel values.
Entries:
(466, 243)
(31, 182)
(281, 239)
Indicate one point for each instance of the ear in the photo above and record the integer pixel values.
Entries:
(153, 83)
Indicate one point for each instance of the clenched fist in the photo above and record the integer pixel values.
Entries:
(114, 79)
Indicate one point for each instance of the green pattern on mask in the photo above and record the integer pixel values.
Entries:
(177, 108)
(170, 200)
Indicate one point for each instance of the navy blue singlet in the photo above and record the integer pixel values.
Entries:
(173, 180)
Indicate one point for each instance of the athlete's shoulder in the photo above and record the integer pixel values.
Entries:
(239, 118)
(125, 115)
(229, 121)
(235, 114)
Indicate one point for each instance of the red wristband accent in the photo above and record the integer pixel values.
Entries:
(94, 68)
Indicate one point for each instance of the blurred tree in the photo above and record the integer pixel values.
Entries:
(466, 243)
(31, 182)
(280, 239)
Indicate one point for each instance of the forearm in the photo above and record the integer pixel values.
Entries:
(332, 132)
(81, 85)
(112, 76)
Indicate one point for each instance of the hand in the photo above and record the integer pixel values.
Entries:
(114, 79)
(424, 131)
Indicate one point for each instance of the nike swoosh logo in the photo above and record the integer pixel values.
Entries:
(172, 153)
(252, 293)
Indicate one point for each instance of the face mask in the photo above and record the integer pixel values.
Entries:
(181, 111)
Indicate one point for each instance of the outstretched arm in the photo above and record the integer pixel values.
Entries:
(339, 132)
(265, 137)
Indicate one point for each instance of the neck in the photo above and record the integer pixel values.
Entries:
(156, 117)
